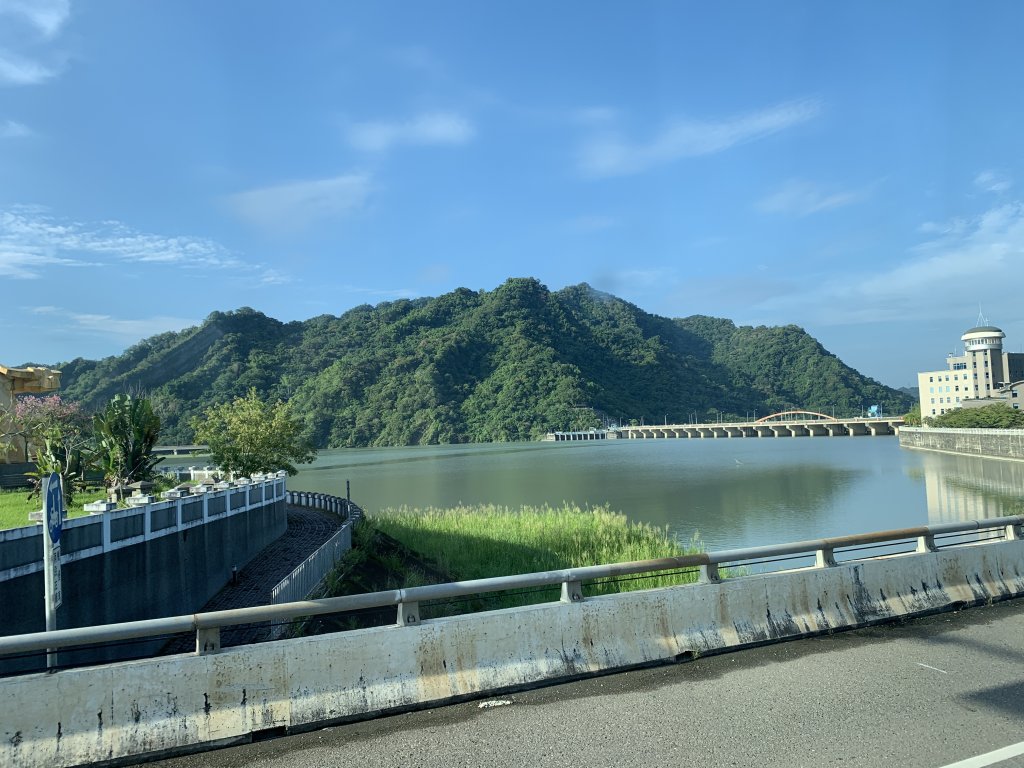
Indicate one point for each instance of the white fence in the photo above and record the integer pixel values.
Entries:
(308, 575)
(110, 529)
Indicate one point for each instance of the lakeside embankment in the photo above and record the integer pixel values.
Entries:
(986, 443)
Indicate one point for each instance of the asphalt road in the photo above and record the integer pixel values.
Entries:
(925, 693)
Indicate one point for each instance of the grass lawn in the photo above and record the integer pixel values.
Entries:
(15, 506)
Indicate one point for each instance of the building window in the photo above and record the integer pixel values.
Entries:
(931, 378)
(931, 390)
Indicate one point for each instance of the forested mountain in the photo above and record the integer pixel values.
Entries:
(468, 366)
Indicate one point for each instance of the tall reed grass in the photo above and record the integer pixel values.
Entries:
(474, 542)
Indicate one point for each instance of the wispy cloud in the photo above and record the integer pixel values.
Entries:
(28, 263)
(295, 205)
(802, 198)
(46, 16)
(427, 128)
(18, 70)
(992, 181)
(611, 155)
(592, 223)
(977, 259)
(380, 293)
(120, 328)
(10, 129)
(32, 239)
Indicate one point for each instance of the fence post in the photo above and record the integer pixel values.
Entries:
(824, 558)
(408, 614)
(572, 592)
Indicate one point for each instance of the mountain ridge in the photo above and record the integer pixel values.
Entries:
(468, 366)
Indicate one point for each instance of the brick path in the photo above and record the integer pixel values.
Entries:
(307, 530)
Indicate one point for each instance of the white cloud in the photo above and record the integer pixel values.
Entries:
(593, 223)
(978, 260)
(992, 181)
(274, 277)
(380, 293)
(26, 263)
(427, 128)
(17, 70)
(46, 16)
(610, 155)
(10, 129)
(295, 205)
(594, 115)
(31, 239)
(802, 198)
(130, 329)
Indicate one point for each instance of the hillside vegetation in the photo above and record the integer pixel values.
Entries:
(472, 366)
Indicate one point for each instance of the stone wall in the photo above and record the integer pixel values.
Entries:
(987, 443)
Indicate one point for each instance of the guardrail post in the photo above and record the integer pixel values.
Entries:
(824, 558)
(408, 614)
(708, 574)
(926, 543)
(207, 641)
(572, 592)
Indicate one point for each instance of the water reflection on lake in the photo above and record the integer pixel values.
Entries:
(736, 492)
(961, 488)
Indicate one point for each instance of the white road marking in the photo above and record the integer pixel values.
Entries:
(935, 668)
(990, 758)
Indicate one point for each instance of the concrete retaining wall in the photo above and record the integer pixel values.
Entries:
(989, 443)
(164, 559)
(171, 704)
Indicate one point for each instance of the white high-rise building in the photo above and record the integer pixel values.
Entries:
(983, 372)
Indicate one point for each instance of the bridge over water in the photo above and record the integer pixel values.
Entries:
(783, 424)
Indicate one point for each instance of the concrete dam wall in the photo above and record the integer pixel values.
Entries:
(987, 443)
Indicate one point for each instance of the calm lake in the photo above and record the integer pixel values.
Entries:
(731, 493)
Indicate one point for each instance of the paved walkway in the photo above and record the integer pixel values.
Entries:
(307, 530)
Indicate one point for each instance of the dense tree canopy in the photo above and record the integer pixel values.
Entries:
(995, 416)
(507, 364)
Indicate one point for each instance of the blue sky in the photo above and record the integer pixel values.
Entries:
(851, 168)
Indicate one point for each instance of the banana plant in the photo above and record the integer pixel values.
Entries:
(126, 432)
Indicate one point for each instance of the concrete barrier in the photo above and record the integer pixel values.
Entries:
(987, 443)
(172, 704)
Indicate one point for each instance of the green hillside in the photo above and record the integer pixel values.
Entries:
(470, 366)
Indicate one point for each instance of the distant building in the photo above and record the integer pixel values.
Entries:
(983, 374)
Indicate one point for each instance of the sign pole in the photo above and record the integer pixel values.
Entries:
(53, 517)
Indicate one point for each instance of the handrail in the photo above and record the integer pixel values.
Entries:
(212, 622)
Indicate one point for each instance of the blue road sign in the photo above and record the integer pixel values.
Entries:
(53, 503)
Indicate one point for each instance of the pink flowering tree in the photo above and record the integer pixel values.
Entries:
(59, 436)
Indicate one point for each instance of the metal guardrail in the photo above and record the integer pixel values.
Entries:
(207, 626)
